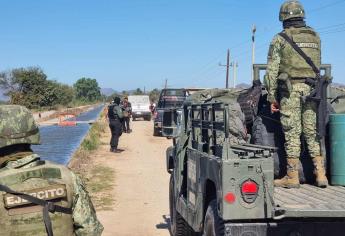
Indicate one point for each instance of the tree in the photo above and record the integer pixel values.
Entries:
(154, 95)
(26, 86)
(87, 89)
(138, 92)
(31, 88)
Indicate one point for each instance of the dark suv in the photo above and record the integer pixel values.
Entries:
(168, 99)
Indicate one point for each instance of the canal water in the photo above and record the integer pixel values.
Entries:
(58, 143)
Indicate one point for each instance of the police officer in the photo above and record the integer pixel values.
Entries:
(38, 197)
(127, 112)
(286, 83)
(115, 117)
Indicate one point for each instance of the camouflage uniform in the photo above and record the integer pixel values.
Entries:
(297, 116)
(286, 77)
(23, 171)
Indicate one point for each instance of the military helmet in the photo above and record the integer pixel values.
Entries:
(17, 126)
(291, 9)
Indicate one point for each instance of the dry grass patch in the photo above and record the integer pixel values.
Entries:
(99, 183)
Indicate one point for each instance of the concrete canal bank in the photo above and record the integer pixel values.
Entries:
(59, 143)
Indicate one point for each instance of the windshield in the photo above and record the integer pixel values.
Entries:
(170, 104)
(174, 92)
(139, 99)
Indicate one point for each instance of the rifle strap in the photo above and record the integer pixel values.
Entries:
(47, 207)
(301, 53)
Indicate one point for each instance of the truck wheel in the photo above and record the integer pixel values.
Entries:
(155, 132)
(178, 226)
(213, 224)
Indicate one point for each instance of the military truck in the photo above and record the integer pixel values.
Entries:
(227, 150)
(169, 98)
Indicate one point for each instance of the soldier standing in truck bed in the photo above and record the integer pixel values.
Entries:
(38, 197)
(286, 83)
(115, 117)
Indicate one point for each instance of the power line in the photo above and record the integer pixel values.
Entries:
(326, 6)
(331, 26)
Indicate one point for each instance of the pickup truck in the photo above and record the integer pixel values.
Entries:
(220, 187)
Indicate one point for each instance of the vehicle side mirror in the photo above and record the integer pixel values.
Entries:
(171, 127)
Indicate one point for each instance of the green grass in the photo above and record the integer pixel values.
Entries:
(99, 179)
(92, 140)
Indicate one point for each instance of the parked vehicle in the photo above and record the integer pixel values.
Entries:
(221, 188)
(168, 99)
(140, 106)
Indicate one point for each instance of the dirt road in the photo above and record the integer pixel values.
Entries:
(141, 184)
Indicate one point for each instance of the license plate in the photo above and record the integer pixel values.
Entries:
(139, 113)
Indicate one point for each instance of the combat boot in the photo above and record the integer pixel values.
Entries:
(291, 179)
(320, 172)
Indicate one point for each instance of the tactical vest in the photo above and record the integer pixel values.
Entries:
(112, 115)
(291, 62)
(49, 182)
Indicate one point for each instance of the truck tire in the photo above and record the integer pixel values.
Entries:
(147, 118)
(178, 226)
(213, 224)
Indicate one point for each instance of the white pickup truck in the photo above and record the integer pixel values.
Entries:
(140, 106)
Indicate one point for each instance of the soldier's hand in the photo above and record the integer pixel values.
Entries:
(274, 107)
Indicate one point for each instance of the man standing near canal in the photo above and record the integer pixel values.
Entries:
(294, 60)
(115, 117)
(39, 197)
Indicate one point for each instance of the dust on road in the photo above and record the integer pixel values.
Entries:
(141, 181)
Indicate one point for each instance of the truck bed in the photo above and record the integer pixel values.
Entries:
(310, 201)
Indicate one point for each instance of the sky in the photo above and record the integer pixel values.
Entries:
(132, 44)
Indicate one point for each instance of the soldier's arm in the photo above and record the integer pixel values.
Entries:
(273, 63)
(84, 214)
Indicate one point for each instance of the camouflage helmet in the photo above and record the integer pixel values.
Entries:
(291, 9)
(17, 126)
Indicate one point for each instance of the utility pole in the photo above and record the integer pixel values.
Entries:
(234, 65)
(253, 50)
(166, 83)
(227, 69)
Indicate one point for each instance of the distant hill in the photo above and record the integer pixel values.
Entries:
(243, 86)
(338, 85)
(107, 91)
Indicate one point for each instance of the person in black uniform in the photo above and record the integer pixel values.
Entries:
(115, 117)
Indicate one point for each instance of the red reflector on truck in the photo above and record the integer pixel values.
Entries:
(230, 198)
(249, 190)
(249, 187)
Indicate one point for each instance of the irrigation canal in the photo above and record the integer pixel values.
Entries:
(58, 143)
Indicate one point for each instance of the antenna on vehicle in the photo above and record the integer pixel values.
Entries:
(253, 50)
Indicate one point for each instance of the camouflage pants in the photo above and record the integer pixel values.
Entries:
(299, 117)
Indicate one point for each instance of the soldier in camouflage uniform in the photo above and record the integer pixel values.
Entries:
(38, 197)
(286, 83)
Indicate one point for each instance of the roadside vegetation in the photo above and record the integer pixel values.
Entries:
(97, 177)
(31, 87)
